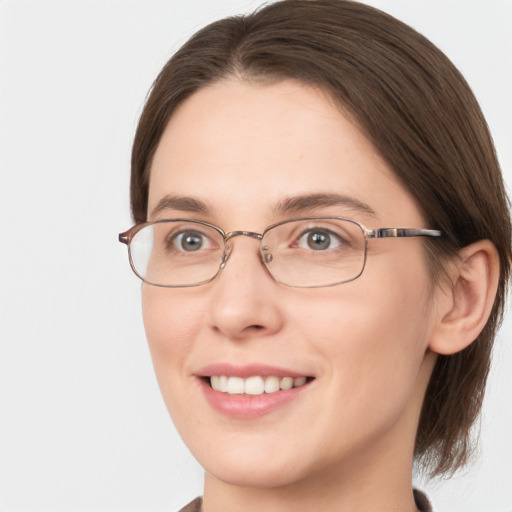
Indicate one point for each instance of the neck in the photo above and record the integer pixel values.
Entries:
(377, 485)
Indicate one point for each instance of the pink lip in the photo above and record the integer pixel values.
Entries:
(246, 371)
(248, 406)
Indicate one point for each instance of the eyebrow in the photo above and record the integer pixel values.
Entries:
(310, 201)
(180, 203)
(290, 205)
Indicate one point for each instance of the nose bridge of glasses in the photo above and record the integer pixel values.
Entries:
(228, 245)
(250, 234)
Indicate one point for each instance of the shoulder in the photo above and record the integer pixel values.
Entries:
(194, 506)
(422, 502)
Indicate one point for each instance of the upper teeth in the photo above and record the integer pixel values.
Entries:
(254, 385)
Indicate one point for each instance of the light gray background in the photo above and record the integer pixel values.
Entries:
(82, 424)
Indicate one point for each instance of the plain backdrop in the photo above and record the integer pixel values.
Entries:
(82, 424)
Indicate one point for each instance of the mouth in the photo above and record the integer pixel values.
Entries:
(252, 391)
(255, 385)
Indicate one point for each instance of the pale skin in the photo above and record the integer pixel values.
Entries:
(346, 443)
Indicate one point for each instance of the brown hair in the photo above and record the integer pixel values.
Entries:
(421, 116)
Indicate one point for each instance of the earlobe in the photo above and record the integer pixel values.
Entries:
(464, 304)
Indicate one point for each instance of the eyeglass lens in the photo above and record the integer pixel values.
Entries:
(302, 253)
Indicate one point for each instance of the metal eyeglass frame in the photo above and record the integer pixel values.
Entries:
(127, 236)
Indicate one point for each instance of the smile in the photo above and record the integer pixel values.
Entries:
(255, 385)
(251, 391)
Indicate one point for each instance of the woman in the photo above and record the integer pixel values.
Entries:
(305, 364)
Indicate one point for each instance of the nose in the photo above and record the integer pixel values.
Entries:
(244, 302)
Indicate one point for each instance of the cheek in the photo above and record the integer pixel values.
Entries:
(170, 330)
(370, 340)
(374, 334)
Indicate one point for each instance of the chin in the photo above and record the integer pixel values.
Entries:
(250, 464)
(243, 473)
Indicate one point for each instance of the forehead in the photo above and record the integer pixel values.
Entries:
(240, 146)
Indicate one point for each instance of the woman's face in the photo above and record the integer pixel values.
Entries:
(241, 151)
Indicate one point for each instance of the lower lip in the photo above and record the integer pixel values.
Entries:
(249, 406)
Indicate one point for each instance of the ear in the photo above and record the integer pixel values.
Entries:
(464, 304)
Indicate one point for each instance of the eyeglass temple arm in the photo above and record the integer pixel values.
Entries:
(401, 232)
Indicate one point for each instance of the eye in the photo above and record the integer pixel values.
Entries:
(190, 241)
(319, 240)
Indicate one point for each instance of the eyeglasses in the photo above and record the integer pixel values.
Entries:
(306, 253)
